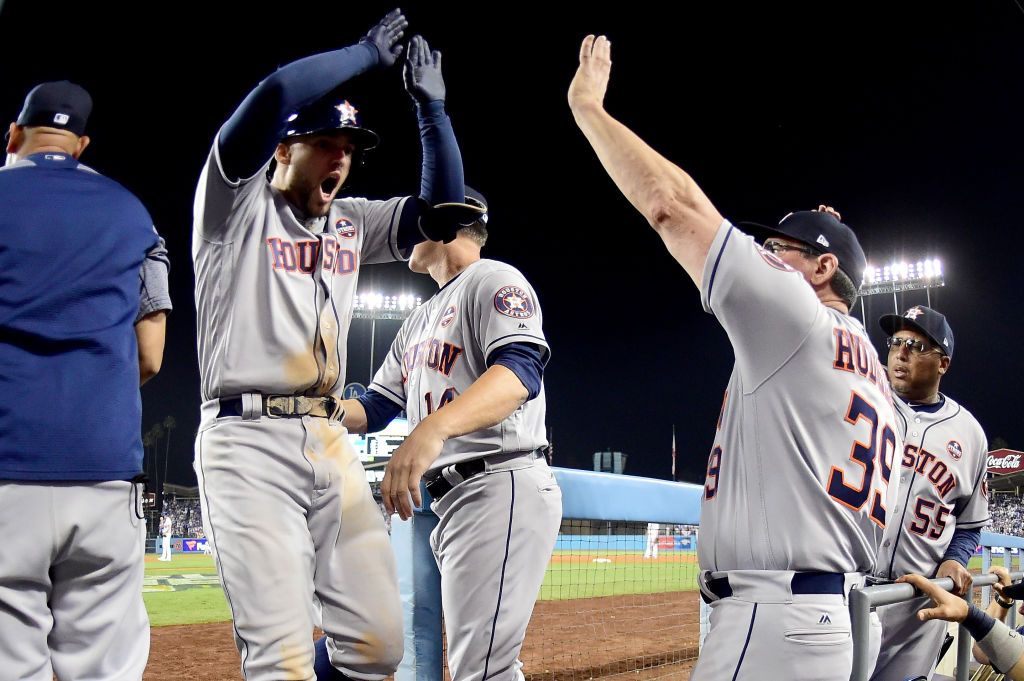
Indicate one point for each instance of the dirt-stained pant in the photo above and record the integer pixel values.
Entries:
(298, 541)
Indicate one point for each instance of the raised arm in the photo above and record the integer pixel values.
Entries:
(671, 201)
(249, 136)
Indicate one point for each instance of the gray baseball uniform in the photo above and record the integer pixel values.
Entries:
(496, 529)
(288, 495)
(942, 489)
(798, 479)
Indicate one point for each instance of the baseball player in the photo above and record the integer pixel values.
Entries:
(166, 531)
(651, 549)
(467, 368)
(74, 244)
(798, 489)
(296, 534)
(1002, 647)
(943, 498)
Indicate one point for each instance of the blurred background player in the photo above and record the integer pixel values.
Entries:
(943, 502)
(166, 532)
(651, 549)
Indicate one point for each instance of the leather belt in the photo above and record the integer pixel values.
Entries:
(802, 583)
(287, 406)
(438, 486)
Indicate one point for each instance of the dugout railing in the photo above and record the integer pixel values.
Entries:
(863, 600)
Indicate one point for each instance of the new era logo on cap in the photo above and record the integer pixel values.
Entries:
(822, 240)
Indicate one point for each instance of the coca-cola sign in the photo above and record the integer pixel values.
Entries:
(1005, 461)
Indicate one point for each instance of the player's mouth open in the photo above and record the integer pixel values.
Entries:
(329, 184)
(899, 372)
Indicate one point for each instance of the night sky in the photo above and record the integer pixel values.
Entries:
(907, 117)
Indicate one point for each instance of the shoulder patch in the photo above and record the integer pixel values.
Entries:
(514, 302)
(346, 230)
(954, 449)
(448, 316)
(774, 260)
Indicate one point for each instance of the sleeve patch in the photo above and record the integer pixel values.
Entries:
(955, 450)
(514, 302)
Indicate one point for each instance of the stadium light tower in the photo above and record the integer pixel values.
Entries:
(374, 306)
(899, 276)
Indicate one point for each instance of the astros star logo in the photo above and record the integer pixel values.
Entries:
(512, 301)
(347, 111)
(914, 313)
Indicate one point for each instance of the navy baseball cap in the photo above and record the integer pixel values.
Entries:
(326, 115)
(475, 198)
(924, 320)
(822, 232)
(59, 104)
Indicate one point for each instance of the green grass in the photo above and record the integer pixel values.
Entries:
(184, 591)
(196, 600)
(567, 581)
(187, 607)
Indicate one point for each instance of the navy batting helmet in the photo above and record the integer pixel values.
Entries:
(327, 115)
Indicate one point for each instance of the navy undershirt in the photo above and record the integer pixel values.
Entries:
(253, 131)
(525, 360)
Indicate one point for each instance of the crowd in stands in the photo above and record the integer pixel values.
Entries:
(1007, 513)
(186, 518)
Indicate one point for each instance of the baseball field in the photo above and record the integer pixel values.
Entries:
(598, 614)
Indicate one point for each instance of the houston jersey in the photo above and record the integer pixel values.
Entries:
(274, 299)
(443, 348)
(799, 475)
(942, 486)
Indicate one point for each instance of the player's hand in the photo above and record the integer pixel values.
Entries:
(405, 470)
(591, 80)
(1002, 573)
(422, 72)
(947, 606)
(385, 36)
(822, 208)
(962, 579)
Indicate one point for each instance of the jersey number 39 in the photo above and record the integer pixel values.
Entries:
(880, 448)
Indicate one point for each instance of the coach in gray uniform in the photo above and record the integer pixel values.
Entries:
(798, 488)
(943, 502)
(467, 368)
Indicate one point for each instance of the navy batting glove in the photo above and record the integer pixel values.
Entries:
(422, 72)
(385, 36)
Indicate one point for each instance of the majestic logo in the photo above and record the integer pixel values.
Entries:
(914, 313)
(448, 317)
(348, 113)
(1005, 461)
(346, 230)
(61, 119)
(514, 302)
(954, 449)
(825, 619)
